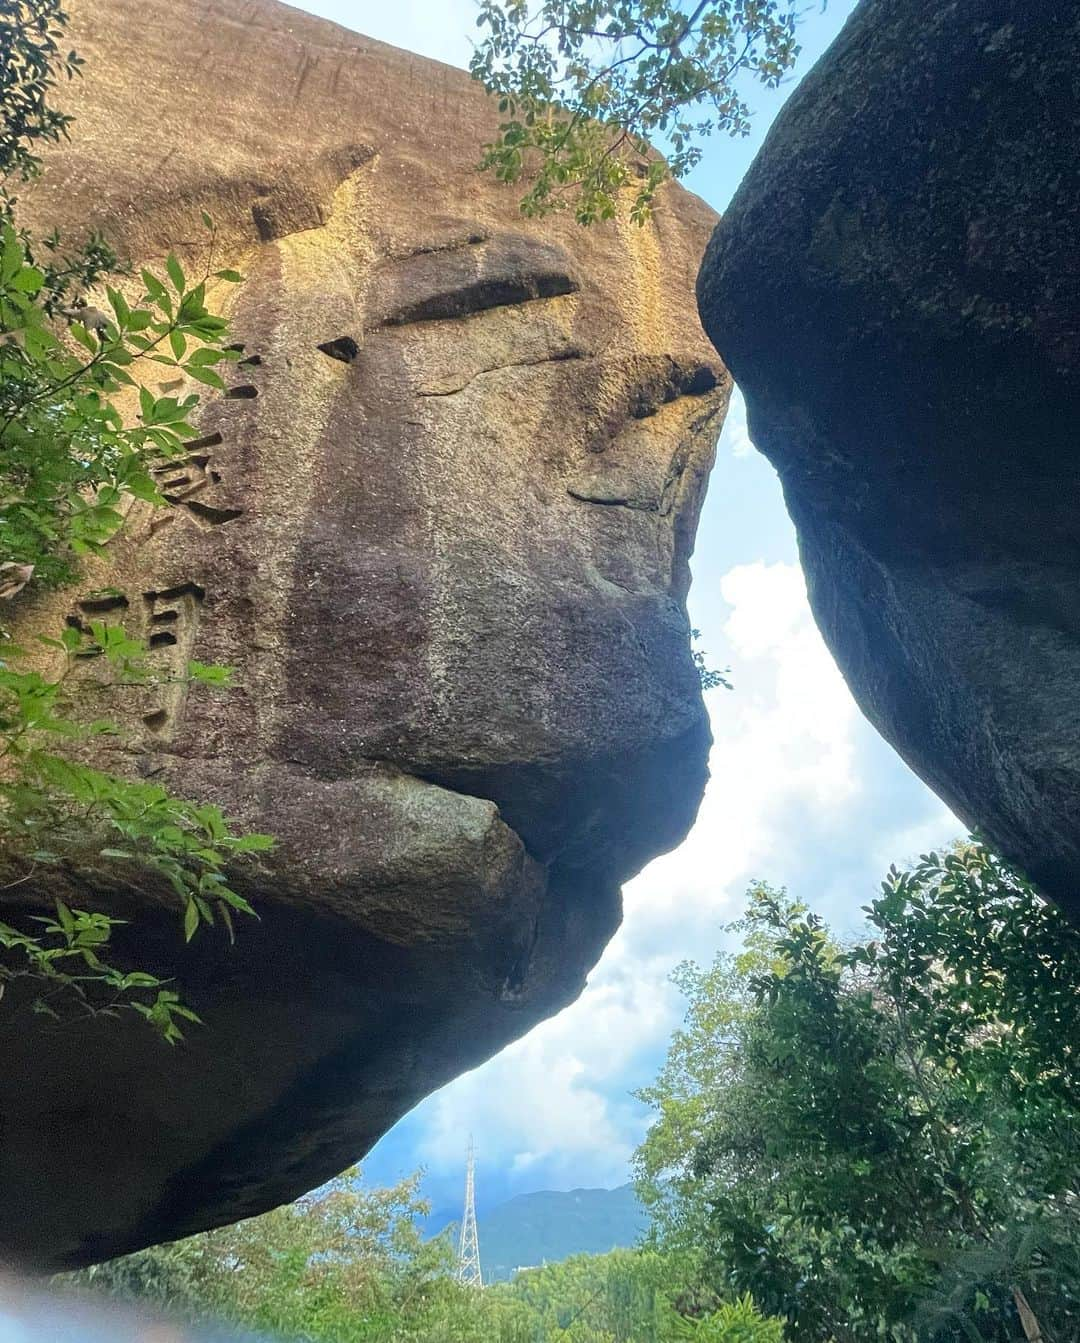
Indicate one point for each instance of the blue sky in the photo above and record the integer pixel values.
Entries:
(804, 793)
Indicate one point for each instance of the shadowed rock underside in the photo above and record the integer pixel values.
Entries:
(896, 289)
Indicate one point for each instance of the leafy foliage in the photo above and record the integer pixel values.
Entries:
(876, 1140)
(345, 1263)
(618, 1296)
(882, 1140)
(54, 807)
(69, 456)
(733, 1322)
(709, 677)
(348, 1264)
(634, 1296)
(584, 84)
(71, 460)
(31, 56)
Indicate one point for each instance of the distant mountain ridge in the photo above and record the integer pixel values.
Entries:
(550, 1225)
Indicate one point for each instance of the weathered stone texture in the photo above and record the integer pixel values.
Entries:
(441, 528)
(896, 289)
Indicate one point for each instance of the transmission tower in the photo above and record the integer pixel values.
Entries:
(468, 1268)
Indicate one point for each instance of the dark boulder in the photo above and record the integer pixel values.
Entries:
(896, 289)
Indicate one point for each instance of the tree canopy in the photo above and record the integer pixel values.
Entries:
(585, 85)
(883, 1139)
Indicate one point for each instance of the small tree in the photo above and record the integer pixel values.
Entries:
(345, 1264)
(734, 1322)
(882, 1140)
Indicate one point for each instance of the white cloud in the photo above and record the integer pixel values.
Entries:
(911, 842)
(554, 1099)
(735, 438)
(782, 765)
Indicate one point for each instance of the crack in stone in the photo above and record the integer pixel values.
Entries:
(664, 503)
(565, 356)
(473, 239)
(638, 505)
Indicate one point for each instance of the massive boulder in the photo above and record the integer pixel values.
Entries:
(896, 289)
(441, 528)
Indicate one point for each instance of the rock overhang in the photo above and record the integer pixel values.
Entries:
(441, 527)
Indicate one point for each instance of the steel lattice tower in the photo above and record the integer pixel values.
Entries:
(468, 1269)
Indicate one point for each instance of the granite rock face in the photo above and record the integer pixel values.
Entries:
(441, 527)
(896, 289)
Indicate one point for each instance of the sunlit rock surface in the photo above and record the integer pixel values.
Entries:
(441, 528)
(896, 288)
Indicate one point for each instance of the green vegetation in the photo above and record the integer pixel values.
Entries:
(883, 1140)
(80, 438)
(630, 1296)
(709, 677)
(347, 1265)
(584, 85)
(343, 1263)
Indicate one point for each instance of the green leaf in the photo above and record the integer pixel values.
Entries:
(229, 897)
(209, 327)
(191, 920)
(205, 356)
(209, 674)
(176, 272)
(254, 843)
(119, 305)
(142, 486)
(207, 376)
(83, 336)
(154, 287)
(29, 280)
(119, 374)
(12, 256)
